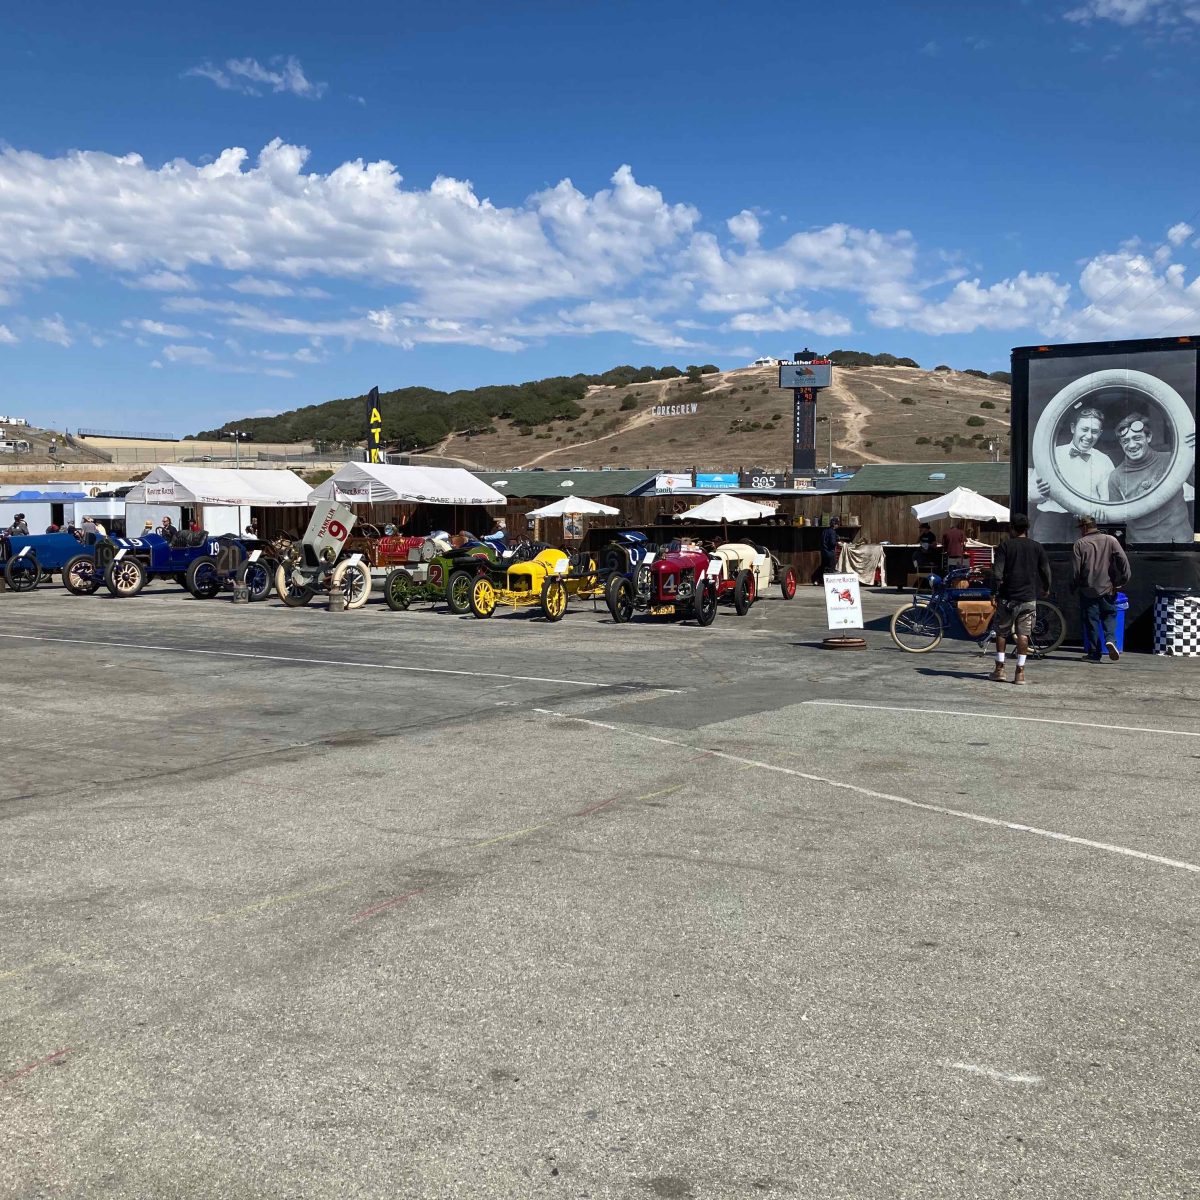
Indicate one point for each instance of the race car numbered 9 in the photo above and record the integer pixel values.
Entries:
(330, 527)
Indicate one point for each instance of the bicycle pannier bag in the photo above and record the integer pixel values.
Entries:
(976, 615)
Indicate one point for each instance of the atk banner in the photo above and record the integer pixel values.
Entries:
(374, 428)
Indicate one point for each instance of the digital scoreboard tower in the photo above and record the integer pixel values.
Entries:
(805, 375)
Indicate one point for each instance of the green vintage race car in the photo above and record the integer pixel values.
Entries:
(442, 574)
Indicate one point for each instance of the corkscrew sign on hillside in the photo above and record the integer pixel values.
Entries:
(805, 376)
(374, 428)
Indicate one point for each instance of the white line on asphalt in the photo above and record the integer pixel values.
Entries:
(986, 716)
(1014, 826)
(335, 662)
(992, 1073)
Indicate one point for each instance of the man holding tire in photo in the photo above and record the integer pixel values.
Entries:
(1139, 473)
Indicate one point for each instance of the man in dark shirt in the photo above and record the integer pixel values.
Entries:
(829, 547)
(1101, 569)
(1020, 574)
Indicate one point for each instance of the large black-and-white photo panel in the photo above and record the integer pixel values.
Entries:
(1113, 437)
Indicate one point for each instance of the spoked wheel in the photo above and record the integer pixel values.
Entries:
(125, 577)
(22, 573)
(483, 597)
(554, 599)
(787, 583)
(1049, 629)
(917, 628)
(258, 577)
(80, 576)
(398, 590)
(458, 592)
(202, 578)
(618, 595)
(704, 607)
(743, 592)
(353, 580)
(294, 592)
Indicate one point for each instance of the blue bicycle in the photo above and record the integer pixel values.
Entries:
(919, 627)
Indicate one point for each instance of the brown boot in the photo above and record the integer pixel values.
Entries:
(997, 675)
(1019, 677)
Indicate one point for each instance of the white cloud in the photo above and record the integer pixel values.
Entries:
(448, 266)
(459, 254)
(1134, 12)
(52, 329)
(7, 337)
(197, 356)
(248, 75)
(157, 328)
(1130, 296)
(1028, 301)
(162, 281)
(746, 227)
(1179, 233)
(779, 320)
(249, 286)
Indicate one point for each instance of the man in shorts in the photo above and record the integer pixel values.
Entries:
(1020, 574)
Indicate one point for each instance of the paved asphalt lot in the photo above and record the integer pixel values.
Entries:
(302, 904)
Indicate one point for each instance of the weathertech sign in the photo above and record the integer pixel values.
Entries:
(675, 410)
(815, 374)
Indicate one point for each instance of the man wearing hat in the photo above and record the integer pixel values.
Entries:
(19, 527)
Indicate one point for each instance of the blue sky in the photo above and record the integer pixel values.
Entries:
(215, 210)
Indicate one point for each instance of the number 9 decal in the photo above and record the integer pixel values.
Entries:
(337, 530)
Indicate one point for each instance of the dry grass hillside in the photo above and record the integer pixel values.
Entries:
(879, 414)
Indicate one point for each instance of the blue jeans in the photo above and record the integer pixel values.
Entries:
(1098, 615)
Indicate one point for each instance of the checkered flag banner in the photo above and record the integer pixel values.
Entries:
(1177, 625)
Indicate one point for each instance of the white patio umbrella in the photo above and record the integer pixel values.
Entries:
(963, 504)
(574, 506)
(725, 507)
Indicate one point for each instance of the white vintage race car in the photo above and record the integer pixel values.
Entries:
(763, 567)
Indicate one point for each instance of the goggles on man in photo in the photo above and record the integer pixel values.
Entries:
(1132, 427)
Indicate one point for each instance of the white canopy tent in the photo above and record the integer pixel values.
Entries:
(725, 507)
(203, 485)
(225, 494)
(961, 504)
(574, 506)
(382, 483)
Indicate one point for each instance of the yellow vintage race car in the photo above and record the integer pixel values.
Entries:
(549, 579)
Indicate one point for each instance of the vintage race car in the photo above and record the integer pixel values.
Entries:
(316, 563)
(249, 561)
(30, 560)
(439, 572)
(624, 554)
(126, 565)
(747, 571)
(681, 582)
(548, 579)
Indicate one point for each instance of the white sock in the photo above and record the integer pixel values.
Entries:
(1000, 657)
(1020, 660)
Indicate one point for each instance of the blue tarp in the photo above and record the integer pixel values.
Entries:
(31, 497)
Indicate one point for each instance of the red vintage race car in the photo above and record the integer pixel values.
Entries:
(681, 582)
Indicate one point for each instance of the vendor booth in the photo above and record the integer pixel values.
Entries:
(219, 500)
(449, 498)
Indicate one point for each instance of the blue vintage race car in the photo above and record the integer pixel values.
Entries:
(28, 561)
(200, 562)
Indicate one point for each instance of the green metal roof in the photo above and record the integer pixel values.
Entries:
(540, 485)
(929, 479)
